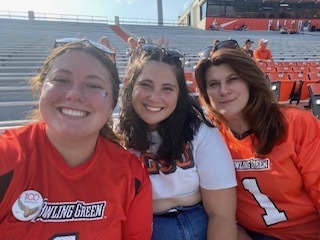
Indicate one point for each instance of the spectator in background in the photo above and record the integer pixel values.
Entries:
(247, 47)
(262, 53)
(105, 42)
(207, 51)
(140, 41)
(66, 175)
(215, 42)
(275, 148)
(131, 52)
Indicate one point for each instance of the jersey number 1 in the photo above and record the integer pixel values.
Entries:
(273, 215)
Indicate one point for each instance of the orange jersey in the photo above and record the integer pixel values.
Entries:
(279, 194)
(259, 54)
(109, 197)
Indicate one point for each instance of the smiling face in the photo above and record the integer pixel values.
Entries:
(155, 93)
(76, 96)
(228, 93)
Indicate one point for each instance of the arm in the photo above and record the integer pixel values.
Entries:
(220, 206)
(270, 56)
(307, 140)
(138, 225)
(217, 183)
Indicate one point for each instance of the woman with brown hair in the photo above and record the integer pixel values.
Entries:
(275, 148)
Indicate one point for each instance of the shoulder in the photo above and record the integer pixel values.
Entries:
(207, 135)
(300, 122)
(27, 134)
(293, 114)
(17, 144)
(119, 156)
(205, 129)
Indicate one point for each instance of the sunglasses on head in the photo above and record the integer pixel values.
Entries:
(63, 41)
(233, 44)
(175, 53)
(207, 51)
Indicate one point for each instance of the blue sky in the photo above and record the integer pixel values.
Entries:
(105, 8)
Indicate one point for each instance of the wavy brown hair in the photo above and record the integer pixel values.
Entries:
(85, 46)
(262, 112)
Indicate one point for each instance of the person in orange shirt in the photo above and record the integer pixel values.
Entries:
(275, 148)
(66, 176)
(262, 53)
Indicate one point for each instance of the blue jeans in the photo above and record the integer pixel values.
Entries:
(190, 224)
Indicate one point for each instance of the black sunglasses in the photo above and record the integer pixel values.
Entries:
(63, 41)
(207, 51)
(170, 52)
(233, 44)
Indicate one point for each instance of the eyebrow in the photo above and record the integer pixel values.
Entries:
(69, 72)
(150, 81)
(169, 85)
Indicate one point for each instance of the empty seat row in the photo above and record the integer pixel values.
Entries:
(310, 76)
(286, 69)
(290, 63)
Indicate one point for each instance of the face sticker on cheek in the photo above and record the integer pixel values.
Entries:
(104, 93)
(46, 85)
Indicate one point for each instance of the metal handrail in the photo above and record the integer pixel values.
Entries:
(82, 18)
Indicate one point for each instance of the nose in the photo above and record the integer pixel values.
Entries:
(75, 93)
(155, 95)
(224, 89)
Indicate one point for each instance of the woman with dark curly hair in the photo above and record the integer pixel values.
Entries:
(190, 167)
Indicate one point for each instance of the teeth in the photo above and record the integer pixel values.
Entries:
(73, 113)
(153, 109)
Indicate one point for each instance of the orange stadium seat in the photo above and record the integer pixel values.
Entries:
(314, 64)
(315, 69)
(300, 68)
(275, 76)
(262, 64)
(314, 76)
(283, 69)
(304, 89)
(282, 89)
(304, 78)
(191, 83)
(298, 76)
(274, 64)
(302, 64)
(268, 69)
(314, 91)
(288, 64)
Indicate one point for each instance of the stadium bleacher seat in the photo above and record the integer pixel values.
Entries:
(314, 90)
(20, 57)
(283, 69)
(191, 83)
(282, 89)
(277, 76)
(300, 69)
(314, 76)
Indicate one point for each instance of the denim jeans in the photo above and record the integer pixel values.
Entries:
(191, 224)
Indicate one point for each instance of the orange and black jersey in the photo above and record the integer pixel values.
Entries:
(108, 197)
(279, 194)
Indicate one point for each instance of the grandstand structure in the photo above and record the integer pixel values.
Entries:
(26, 43)
(302, 15)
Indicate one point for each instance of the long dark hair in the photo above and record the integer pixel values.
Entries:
(177, 130)
(261, 112)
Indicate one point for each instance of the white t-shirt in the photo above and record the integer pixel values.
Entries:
(206, 163)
